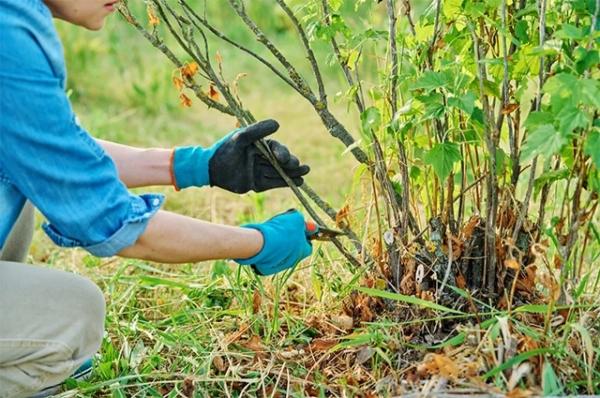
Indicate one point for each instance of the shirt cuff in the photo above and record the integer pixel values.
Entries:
(143, 207)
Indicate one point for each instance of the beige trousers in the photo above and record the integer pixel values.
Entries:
(50, 321)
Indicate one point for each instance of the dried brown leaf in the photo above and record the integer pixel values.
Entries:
(427, 295)
(188, 388)
(213, 93)
(185, 101)
(509, 108)
(438, 364)
(470, 226)
(178, 83)
(519, 393)
(408, 283)
(255, 344)
(342, 217)
(461, 283)
(343, 322)
(219, 363)
(322, 344)
(189, 70)
(256, 301)
(512, 264)
(152, 18)
(364, 354)
(235, 336)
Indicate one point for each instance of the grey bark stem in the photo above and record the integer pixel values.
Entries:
(492, 194)
(309, 51)
(335, 128)
(538, 103)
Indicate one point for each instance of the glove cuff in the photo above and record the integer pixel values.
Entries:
(261, 255)
(190, 167)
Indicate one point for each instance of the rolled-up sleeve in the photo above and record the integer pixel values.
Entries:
(56, 164)
(143, 207)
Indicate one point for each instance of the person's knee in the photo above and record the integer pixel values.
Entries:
(88, 309)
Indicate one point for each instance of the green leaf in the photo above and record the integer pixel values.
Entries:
(432, 80)
(442, 158)
(451, 8)
(590, 92)
(586, 59)
(370, 119)
(543, 140)
(533, 308)
(568, 31)
(521, 31)
(537, 119)
(407, 299)
(550, 383)
(570, 118)
(335, 4)
(465, 102)
(548, 178)
(434, 105)
(561, 85)
(592, 147)
(594, 183)
(515, 361)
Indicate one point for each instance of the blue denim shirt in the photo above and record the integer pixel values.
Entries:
(45, 156)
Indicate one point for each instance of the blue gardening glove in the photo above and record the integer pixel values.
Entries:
(285, 243)
(235, 164)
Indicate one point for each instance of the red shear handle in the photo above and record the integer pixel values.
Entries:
(311, 228)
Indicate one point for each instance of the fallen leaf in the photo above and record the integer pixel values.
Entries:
(438, 364)
(188, 388)
(343, 322)
(512, 264)
(427, 295)
(526, 281)
(256, 301)
(469, 228)
(255, 344)
(519, 393)
(461, 283)
(219, 364)
(235, 336)
(364, 354)
(557, 262)
(408, 283)
(322, 344)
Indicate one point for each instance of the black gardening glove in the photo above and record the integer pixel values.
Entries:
(235, 164)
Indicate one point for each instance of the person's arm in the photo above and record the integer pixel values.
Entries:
(139, 167)
(269, 247)
(173, 238)
(232, 163)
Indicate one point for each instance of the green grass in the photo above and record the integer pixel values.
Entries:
(229, 333)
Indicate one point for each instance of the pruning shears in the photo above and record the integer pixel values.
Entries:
(315, 231)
